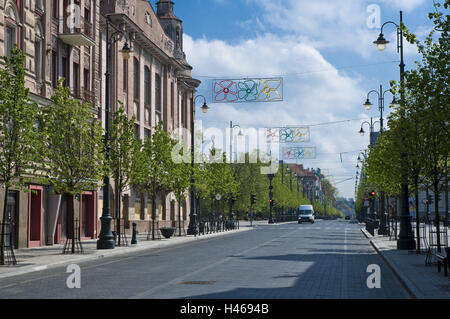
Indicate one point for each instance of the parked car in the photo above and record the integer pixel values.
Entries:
(348, 217)
(306, 214)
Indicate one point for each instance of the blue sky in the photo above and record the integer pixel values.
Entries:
(323, 49)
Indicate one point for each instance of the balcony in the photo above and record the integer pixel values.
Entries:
(81, 34)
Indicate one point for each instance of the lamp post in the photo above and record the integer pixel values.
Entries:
(368, 105)
(192, 228)
(231, 201)
(271, 176)
(106, 238)
(406, 237)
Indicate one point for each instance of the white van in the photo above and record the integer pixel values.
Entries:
(306, 214)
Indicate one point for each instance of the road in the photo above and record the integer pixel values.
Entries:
(328, 259)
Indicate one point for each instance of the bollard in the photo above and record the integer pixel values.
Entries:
(134, 239)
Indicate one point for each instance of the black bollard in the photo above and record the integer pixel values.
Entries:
(134, 239)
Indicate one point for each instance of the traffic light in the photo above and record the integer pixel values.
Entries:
(252, 199)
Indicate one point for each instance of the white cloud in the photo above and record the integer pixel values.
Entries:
(324, 24)
(309, 97)
(406, 5)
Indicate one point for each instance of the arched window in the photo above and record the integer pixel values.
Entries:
(11, 30)
(38, 45)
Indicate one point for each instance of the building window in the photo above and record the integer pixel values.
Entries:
(11, 29)
(38, 45)
(54, 69)
(87, 80)
(158, 94)
(147, 133)
(10, 40)
(76, 80)
(172, 104)
(147, 86)
(39, 5)
(125, 76)
(55, 9)
(136, 79)
(137, 132)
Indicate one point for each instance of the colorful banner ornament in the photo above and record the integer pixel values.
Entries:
(298, 153)
(247, 90)
(285, 135)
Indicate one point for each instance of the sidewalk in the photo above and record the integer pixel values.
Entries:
(422, 282)
(42, 258)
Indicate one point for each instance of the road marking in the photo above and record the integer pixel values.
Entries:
(344, 294)
(185, 276)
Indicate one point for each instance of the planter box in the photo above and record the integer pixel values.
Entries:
(167, 232)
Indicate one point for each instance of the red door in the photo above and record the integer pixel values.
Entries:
(87, 216)
(35, 216)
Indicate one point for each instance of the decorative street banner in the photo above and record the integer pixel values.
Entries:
(288, 135)
(298, 153)
(248, 90)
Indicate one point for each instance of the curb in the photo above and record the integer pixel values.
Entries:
(114, 253)
(405, 282)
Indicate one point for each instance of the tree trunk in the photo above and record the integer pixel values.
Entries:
(2, 240)
(153, 210)
(72, 208)
(179, 217)
(118, 232)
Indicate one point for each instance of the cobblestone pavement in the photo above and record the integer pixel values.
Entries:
(424, 282)
(328, 259)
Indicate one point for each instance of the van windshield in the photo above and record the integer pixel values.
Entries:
(306, 212)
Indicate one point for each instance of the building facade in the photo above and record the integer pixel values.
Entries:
(59, 41)
(154, 85)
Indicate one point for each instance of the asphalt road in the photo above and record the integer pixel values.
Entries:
(328, 259)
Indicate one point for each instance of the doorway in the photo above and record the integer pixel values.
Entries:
(35, 217)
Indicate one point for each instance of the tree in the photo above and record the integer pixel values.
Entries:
(18, 133)
(428, 88)
(153, 167)
(124, 147)
(74, 150)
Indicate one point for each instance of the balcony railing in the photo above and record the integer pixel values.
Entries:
(77, 33)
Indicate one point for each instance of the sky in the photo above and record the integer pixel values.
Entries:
(323, 50)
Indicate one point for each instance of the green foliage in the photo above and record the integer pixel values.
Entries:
(153, 165)
(73, 140)
(19, 147)
(124, 148)
(18, 117)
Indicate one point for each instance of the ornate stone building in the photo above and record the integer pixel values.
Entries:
(154, 85)
(59, 39)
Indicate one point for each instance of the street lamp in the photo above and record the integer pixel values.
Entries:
(406, 237)
(106, 238)
(371, 124)
(192, 228)
(231, 201)
(271, 176)
(394, 104)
